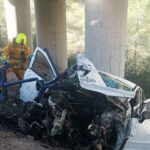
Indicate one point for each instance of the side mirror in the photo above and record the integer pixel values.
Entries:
(145, 111)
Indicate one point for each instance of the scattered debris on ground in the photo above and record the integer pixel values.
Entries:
(10, 140)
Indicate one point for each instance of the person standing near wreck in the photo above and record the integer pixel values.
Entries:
(16, 55)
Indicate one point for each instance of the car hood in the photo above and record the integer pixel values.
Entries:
(91, 79)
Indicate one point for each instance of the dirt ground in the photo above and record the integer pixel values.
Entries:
(12, 141)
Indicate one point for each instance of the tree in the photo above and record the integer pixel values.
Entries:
(138, 45)
(75, 26)
(3, 36)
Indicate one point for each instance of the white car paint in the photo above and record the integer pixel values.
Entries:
(94, 82)
(28, 91)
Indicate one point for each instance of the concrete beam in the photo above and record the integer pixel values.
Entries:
(51, 29)
(105, 39)
(18, 18)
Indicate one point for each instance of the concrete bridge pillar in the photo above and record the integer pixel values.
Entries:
(51, 29)
(18, 18)
(106, 26)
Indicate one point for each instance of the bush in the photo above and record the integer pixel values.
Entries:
(139, 73)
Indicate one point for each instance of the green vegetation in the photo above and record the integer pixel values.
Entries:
(138, 44)
(3, 37)
(75, 26)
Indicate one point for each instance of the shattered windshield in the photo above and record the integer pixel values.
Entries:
(114, 83)
(42, 67)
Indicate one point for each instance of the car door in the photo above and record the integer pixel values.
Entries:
(40, 67)
(139, 138)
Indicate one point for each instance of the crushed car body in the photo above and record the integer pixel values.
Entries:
(88, 76)
(80, 109)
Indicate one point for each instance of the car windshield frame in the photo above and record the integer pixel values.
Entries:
(112, 82)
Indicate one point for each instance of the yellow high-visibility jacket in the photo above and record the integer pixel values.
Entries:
(18, 57)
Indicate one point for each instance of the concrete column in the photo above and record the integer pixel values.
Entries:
(11, 20)
(51, 29)
(105, 39)
(18, 18)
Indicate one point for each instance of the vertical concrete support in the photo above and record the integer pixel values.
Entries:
(106, 27)
(18, 18)
(51, 29)
(23, 14)
(11, 20)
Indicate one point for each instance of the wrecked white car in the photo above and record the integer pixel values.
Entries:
(82, 108)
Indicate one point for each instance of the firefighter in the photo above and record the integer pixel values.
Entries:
(17, 55)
